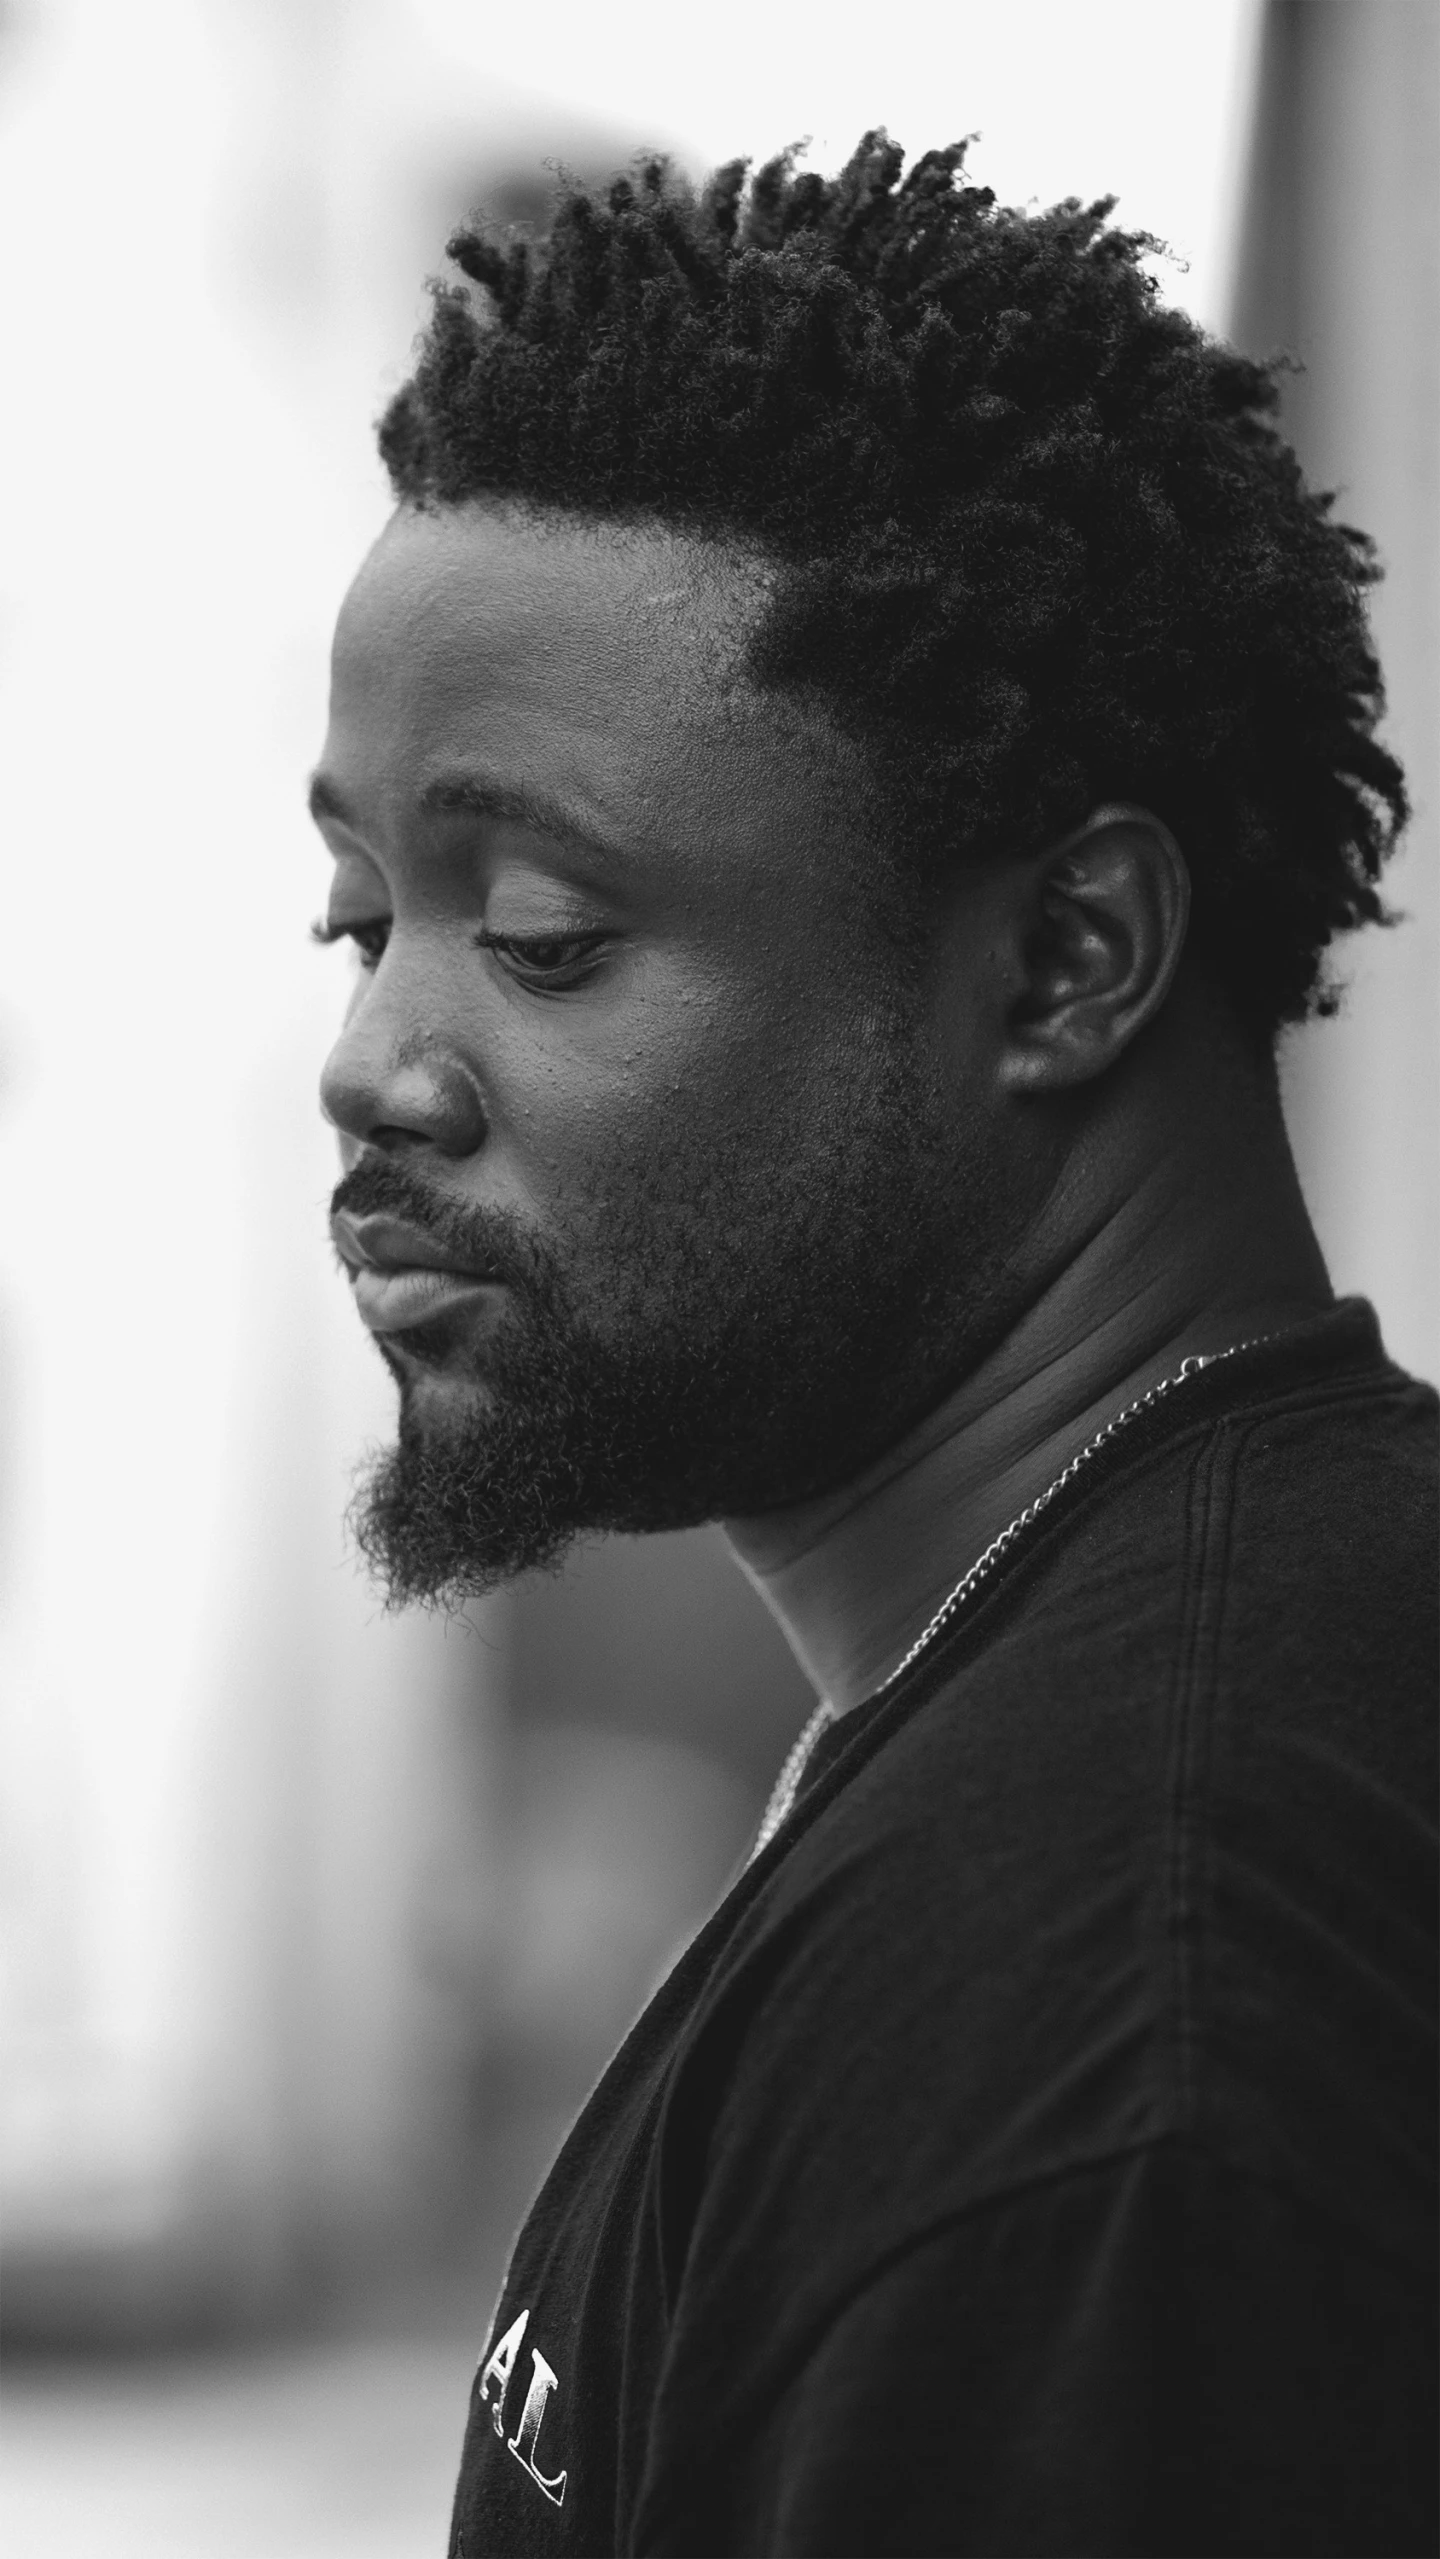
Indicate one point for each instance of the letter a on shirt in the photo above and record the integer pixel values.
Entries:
(495, 2377)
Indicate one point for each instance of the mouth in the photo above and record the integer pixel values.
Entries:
(400, 1276)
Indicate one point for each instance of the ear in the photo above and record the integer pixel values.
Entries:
(1106, 927)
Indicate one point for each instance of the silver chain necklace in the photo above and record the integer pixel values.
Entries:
(787, 1784)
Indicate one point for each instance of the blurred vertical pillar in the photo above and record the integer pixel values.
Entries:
(245, 1838)
(1339, 266)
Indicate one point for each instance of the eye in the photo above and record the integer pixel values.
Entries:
(549, 960)
(369, 939)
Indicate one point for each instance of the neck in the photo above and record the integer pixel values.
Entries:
(1178, 1228)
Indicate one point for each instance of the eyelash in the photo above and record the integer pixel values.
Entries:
(371, 950)
(527, 948)
(370, 941)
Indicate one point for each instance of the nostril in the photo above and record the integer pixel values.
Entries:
(467, 1119)
(390, 1141)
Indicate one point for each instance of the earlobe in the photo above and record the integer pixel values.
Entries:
(1109, 910)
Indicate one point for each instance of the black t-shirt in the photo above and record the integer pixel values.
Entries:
(1035, 2151)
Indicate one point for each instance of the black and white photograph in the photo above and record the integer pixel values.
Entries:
(719, 1055)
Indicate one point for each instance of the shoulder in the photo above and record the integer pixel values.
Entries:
(1124, 1908)
(1150, 1854)
(1267, 1569)
(1293, 1523)
(1261, 1579)
(1304, 1822)
(1327, 1520)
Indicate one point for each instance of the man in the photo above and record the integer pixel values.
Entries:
(852, 744)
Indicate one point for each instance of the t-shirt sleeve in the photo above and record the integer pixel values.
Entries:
(1153, 2355)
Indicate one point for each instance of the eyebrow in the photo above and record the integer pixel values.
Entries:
(480, 795)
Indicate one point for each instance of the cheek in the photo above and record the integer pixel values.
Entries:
(743, 1130)
(643, 1066)
(735, 1044)
(628, 1122)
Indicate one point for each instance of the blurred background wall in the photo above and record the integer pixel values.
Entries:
(319, 1924)
(1338, 265)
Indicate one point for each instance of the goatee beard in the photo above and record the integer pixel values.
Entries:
(454, 1510)
(740, 1347)
(502, 1482)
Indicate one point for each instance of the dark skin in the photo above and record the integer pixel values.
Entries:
(543, 736)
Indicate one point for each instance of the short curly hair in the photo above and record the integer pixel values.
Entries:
(1040, 544)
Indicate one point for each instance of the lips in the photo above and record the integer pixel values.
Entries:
(400, 1275)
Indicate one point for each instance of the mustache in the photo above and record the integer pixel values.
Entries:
(488, 1239)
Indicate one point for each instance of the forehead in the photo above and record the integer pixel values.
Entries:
(605, 661)
(492, 583)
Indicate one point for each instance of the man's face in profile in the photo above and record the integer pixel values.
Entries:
(656, 1197)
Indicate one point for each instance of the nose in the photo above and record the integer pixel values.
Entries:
(384, 1083)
